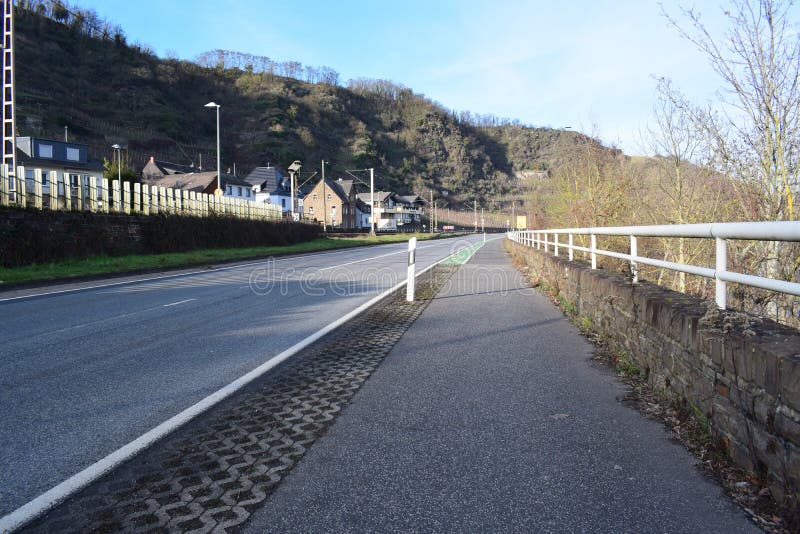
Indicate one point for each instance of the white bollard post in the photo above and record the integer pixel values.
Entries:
(412, 249)
(721, 287)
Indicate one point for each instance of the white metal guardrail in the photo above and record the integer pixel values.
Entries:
(720, 232)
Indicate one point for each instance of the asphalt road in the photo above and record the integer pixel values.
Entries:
(490, 416)
(87, 368)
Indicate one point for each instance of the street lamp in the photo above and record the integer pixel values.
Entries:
(119, 162)
(293, 169)
(219, 160)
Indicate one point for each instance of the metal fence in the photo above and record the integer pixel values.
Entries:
(787, 231)
(74, 192)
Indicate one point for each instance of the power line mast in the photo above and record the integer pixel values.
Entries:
(9, 122)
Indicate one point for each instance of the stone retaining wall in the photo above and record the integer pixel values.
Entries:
(740, 372)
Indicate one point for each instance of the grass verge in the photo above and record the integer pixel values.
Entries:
(99, 265)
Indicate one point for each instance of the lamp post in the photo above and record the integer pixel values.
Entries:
(118, 149)
(219, 155)
(293, 168)
(119, 162)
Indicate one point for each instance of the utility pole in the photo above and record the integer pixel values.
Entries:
(372, 201)
(513, 214)
(9, 113)
(430, 214)
(324, 203)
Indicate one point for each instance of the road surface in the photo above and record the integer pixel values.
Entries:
(86, 369)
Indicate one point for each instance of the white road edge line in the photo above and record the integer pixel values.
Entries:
(191, 273)
(56, 495)
(179, 302)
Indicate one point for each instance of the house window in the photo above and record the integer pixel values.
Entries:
(239, 191)
(73, 154)
(229, 190)
(315, 197)
(283, 202)
(45, 151)
(311, 210)
(333, 210)
(329, 196)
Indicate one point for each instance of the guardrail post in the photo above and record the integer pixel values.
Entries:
(67, 192)
(594, 250)
(145, 199)
(22, 188)
(53, 180)
(79, 198)
(126, 197)
(555, 244)
(93, 193)
(137, 197)
(117, 198)
(634, 253)
(570, 245)
(104, 195)
(721, 287)
(412, 249)
(546, 244)
(4, 196)
(37, 189)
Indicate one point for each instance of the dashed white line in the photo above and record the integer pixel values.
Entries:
(179, 302)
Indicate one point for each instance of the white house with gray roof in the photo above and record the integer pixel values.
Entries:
(271, 185)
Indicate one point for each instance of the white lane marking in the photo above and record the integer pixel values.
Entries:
(179, 302)
(190, 273)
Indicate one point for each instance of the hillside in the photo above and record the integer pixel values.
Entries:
(107, 91)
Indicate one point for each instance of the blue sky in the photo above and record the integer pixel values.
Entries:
(585, 64)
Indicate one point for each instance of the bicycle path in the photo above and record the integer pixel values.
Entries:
(489, 415)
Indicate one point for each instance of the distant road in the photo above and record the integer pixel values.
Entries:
(84, 372)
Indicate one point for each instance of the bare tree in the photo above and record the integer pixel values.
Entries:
(682, 192)
(753, 133)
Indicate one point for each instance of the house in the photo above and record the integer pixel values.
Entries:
(155, 169)
(410, 210)
(69, 160)
(205, 182)
(332, 201)
(363, 214)
(271, 185)
(384, 209)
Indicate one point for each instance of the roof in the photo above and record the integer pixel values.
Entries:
(270, 179)
(195, 181)
(380, 196)
(26, 160)
(346, 185)
(409, 199)
(167, 167)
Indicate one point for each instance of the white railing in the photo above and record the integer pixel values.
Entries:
(720, 232)
(73, 192)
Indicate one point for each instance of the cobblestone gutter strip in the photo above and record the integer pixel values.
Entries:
(211, 475)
